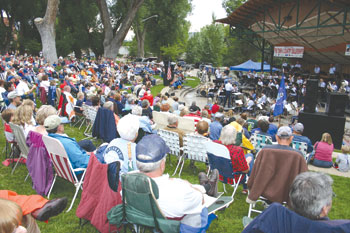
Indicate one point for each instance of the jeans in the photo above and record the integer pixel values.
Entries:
(251, 164)
(320, 163)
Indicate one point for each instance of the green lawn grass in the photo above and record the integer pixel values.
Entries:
(191, 83)
(229, 220)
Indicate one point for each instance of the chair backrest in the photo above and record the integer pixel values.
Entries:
(60, 159)
(20, 139)
(91, 114)
(161, 119)
(141, 192)
(301, 146)
(172, 140)
(186, 124)
(194, 147)
(219, 158)
(260, 140)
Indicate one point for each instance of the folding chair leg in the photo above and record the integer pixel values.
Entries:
(82, 123)
(75, 196)
(26, 177)
(250, 210)
(180, 159)
(182, 166)
(236, 186)
(53, 183)
(13, 170)
(223, 185)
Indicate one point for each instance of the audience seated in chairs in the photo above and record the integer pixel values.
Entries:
(310, 202)
(298, 129)
(240, 162)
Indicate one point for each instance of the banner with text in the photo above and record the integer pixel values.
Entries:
(289, 51)
(347, 50)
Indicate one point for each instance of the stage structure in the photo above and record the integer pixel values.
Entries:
(320, 27)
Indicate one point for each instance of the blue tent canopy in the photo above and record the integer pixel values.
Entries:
(252, 66)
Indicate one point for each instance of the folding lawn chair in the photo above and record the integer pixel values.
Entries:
(219, 158)
(90, 114)
(194, 148)
(21, 142)
(62, 165)
(172, 140)
(302, 147)
(259, 141)
(140, 207)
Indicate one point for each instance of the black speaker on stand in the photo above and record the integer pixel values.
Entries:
(336, 103)
(311, 97)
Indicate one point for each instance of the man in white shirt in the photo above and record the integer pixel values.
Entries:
(228, 91)
(178, 199)
(317, 70)
(22, 87)
(332, 69)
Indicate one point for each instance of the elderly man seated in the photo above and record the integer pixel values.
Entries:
(298, 130)
(78, 153)
(310, 197)
(173, 122)
(178, 199)
(123, 149)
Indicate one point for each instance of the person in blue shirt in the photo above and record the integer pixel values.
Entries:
(298, 129)
(272, 128)
(78, 157)
(216, 127)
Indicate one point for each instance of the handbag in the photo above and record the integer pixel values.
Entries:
(313, 155)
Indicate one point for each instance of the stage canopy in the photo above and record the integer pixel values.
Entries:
(322, 27)
(252, 66)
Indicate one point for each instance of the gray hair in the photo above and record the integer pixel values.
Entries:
(228, 135)
(112, 93)
(144, 103)
(136, 110)
(148, 167)
(309, 193)
(172, 120)
(109, 105)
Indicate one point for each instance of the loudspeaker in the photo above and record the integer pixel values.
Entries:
(336, 104)
(311, 97)
(315, 124)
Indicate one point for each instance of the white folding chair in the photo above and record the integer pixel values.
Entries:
(90, 114)
(219, 158)
(194, 148)
(302, 147)
(259, 141)
(173, 142)
(62, 166)
(21, 142)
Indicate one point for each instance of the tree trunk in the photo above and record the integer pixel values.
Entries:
(140, 37)
(112, 43)
(46, 28)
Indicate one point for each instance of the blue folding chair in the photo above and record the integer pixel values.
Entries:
(219, 158)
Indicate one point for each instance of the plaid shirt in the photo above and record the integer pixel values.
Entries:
(238, 160)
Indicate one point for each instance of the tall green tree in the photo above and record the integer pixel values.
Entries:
(170, 29)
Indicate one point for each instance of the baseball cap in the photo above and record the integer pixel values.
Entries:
(193, 109)
(284, 131)
(52, 122)
(153, 146)
(219, 115)
(12, 95)
(298, 127)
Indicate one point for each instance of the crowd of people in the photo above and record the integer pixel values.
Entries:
(66, 88)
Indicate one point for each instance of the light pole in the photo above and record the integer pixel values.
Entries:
(153, 16)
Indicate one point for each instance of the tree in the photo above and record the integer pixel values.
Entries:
(114, 36)
(232, 5)
(46, 28)
(171, 27)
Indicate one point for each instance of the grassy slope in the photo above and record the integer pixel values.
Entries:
(230, 220)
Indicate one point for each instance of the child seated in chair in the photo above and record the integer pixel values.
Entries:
(7, 115)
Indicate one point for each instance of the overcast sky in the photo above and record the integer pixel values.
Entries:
(202, 12)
